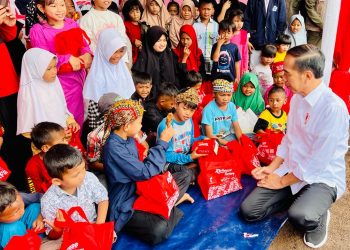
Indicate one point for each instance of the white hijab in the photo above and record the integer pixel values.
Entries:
(105, 77)
(38, 100)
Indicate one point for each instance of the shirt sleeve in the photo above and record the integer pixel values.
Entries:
(261, 124)
(206, 116)
(48, 209)
(233, 112)
(237, 54)
(98, 191)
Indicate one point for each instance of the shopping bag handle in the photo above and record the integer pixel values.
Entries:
(67, 216)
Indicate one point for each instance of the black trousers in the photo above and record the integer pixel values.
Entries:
(153, 228)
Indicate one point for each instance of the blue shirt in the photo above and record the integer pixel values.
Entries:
(219, 120)
(229, 55)
(123, 168)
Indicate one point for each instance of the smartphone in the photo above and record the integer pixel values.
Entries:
(4, 3)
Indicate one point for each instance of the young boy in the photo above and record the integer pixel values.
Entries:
(143, 86)
(18, 212)
(207, 31)
(71, 186)
(273, 118)
(124, 168)
(220, 114)
(263, 70)
(178, 153)
(44, 135)
(225, 55)
(156, 111)
(283, 43)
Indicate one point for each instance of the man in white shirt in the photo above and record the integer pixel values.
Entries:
(308, 173)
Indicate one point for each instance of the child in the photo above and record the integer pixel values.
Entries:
(156, 111)
(187, 14)
(40, 97)
(43, 35)
(18, 212)
(207, 31)
(296, 30)
(99, 18)
(178, 154)
(273, 118)
(155, 14)
(44, 135)
(279, 80)
(240, 38)
(124, 168)
(220, 114)
(225, 55)
(263, 70)
(248, 94)
(143, 86)
(283, 43)
(132, 12)
(71, 186)
(108, 73)
(187, 54)
(156, 58)
(173, 8)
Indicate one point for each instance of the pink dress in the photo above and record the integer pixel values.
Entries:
(42, 36)
(241, 40)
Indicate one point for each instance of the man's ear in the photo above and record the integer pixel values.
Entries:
(56, 181)
(309, 74)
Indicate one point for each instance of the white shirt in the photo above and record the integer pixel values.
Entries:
(316, 142)
(266, 5)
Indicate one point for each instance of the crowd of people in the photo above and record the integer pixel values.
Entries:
(85, 116)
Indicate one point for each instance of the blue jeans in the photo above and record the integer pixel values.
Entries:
(7, 230)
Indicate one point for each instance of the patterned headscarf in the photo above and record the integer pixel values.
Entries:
(188, 95)
(222, 85)
(121, 113)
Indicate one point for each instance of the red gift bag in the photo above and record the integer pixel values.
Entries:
(30, 241)
(75, 142)
(157, 195)
(267, 148)
(219, 174)
(70, 42)
(246, 152)
(84, 235)
(4, 170)
(206, 146)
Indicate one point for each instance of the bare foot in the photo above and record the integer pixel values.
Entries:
(185, 197)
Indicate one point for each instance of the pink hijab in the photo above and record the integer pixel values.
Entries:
(162, 19)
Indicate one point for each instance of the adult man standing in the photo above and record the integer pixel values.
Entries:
(308, 173)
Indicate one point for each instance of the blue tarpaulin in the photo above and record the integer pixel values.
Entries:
(214, 224)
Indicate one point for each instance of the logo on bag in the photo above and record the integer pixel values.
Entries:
(74, 246)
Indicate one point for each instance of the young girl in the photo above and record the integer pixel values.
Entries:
(108, 72)
(40, 96)
(187, 15)
(55, 35)
(248, 94)
(156, 14)
(240, 38)
(132, 12)
(296, 30)
(173, 8)
(156, 58)
(187, 54)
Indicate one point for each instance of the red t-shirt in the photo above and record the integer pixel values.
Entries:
(134, 32)
(8, 77)
(37, 176)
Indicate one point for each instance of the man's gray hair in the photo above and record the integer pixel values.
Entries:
(308, 57)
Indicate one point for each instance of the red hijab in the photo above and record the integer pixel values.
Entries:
(193, 61)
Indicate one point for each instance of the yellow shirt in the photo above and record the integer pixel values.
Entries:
(280, 57)
(275, 123)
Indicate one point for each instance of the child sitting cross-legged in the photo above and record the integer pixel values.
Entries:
(44, 135)
(71, 186)
(273, 118)
(220, 115)
(124, 168)
(18, 212)
(179, 155)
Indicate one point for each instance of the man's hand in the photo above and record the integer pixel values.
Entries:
(250, 47)
(261, 172)
(271, 181)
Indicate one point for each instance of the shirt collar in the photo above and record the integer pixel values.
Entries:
(314, 95)
(59, 191)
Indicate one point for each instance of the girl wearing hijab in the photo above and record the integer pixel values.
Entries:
(156, 58)
(108, 73)
(40, 95)
(188, 55)
(187, 14)
(248, 94)
(156, 14)
(296, 30)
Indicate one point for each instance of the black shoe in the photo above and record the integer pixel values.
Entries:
(318, 237)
